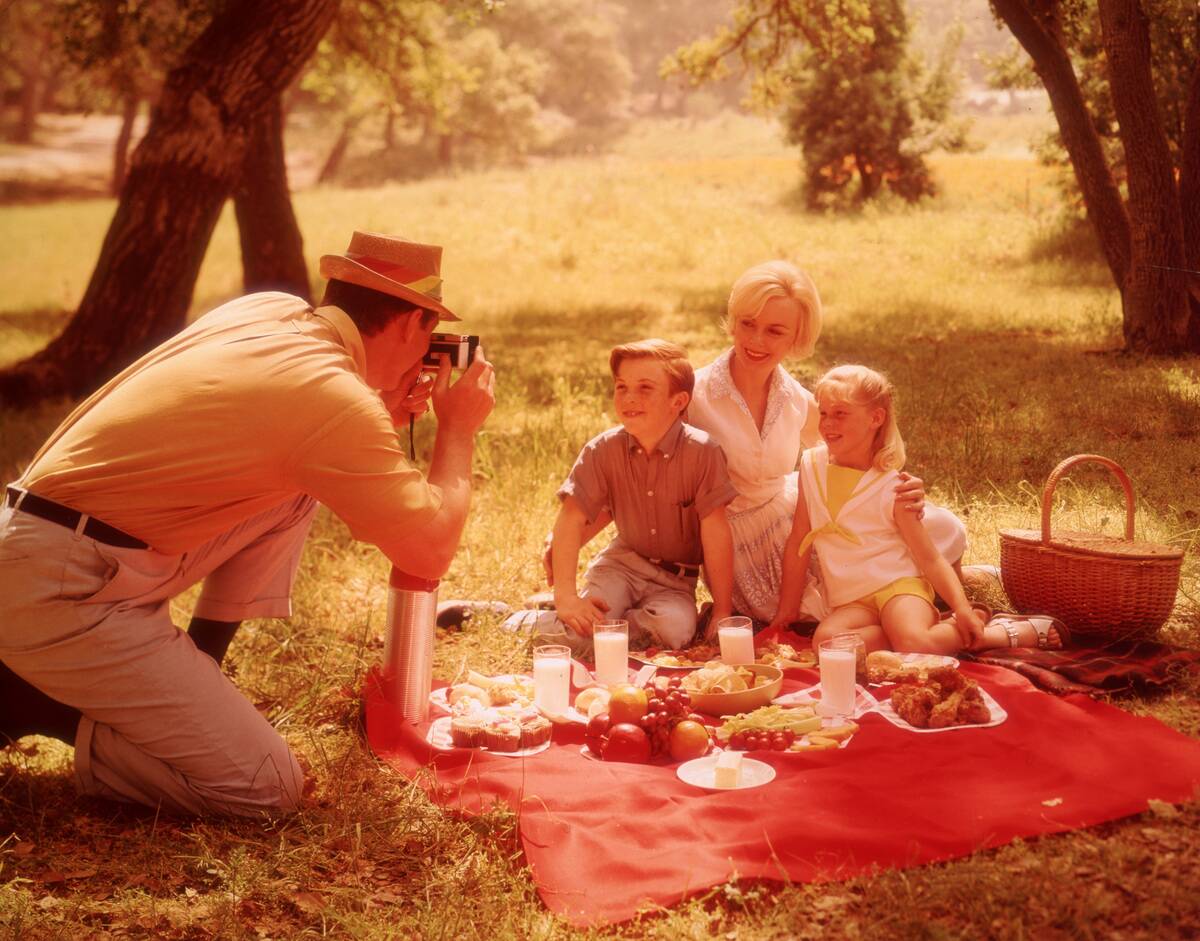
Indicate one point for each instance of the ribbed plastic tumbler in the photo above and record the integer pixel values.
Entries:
(408, 647)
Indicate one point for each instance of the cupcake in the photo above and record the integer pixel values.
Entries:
(535, 730)
(467, 731)
(504, 735)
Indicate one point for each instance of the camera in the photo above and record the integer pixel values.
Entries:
(460, 349)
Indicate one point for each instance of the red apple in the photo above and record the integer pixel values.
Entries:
(626, 742)
(597, 729)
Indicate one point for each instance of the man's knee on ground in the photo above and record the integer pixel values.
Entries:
(272, 785)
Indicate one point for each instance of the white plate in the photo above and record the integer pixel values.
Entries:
(440, 698)
(700, 772)
(864, 702)
(885, 709)
(439, 737)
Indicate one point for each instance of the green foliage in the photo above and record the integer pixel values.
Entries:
(874, 113)
(1175, 49)
(857, 98)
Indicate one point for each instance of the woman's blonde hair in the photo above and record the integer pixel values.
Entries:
(859, 385)
(761, 283)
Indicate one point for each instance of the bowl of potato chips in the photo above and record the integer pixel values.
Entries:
(721, 690)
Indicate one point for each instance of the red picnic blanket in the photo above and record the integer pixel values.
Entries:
(605, 839)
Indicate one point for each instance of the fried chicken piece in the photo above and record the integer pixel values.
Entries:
(974, 713)
(948, 678)
(945, 713)
(913, 703)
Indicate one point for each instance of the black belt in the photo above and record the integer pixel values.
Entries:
(678, 568)
(65, 516)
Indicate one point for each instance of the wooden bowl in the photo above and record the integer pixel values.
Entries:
(746, 700)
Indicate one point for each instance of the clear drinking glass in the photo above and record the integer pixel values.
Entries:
(552, 678)
(837, 678)
(736, 636)
(852, 641)
(610, 644)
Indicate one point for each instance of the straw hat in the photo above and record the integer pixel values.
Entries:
(392, 265)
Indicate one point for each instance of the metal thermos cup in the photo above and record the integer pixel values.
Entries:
(408, 647)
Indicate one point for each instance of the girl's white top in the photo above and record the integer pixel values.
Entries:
(850, 569)
(758, 461)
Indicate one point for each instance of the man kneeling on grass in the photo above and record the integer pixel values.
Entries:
(665, 485)
(205, 461)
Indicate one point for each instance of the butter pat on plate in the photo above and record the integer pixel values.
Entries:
(727, 772)
(735, 772)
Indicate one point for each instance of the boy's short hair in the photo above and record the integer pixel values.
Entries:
(672, 356)
(370, 310)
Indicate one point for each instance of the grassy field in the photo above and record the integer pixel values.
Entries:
(1004, 356)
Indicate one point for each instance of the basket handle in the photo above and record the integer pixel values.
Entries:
(1066, 465)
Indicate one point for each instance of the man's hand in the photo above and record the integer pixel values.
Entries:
(910, 494)
(410, 397)
(580, 614)
(463, 406)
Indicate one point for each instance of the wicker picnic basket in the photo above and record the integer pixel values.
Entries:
(1102, 587)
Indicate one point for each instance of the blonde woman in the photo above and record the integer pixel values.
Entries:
(763, 419)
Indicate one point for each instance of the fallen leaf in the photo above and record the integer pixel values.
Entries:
(50, 876)
(80, 874)
(1162, 808)
(308, 902)
(23, 849)
(190, 892)
(1052, 802)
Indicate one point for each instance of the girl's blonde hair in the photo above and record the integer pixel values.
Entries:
(761, 283)
(859, 385)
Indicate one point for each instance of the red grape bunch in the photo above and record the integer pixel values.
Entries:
(669, 704)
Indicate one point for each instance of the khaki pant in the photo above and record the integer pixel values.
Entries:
(659, 606)
(88, 624)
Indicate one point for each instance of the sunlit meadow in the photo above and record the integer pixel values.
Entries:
(1004, 357)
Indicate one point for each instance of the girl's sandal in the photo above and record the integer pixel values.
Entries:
(1041, 623)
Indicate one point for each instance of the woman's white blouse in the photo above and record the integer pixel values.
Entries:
(758, 462)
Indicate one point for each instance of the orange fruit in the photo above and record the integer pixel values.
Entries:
(628, 703)
(689, 739)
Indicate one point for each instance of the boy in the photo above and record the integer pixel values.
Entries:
(665, 485)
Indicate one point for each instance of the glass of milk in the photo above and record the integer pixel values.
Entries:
(837, 662)
(552, 678)
(610, 643)
(736, 636)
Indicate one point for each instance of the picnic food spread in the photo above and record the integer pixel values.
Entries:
(496, 713)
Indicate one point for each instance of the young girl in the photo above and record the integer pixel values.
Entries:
(879, 568)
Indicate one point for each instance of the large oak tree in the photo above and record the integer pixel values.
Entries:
(225, 91)
(1151, 238)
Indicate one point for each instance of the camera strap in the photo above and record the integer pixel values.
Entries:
(412, 450)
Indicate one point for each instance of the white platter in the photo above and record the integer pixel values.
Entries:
(885, 709)
(700, 772)
(439, 737)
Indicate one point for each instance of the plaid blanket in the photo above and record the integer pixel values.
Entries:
(1120, 666)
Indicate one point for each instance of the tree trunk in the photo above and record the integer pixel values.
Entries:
(129, 110)
(181, 174)
(272, 248)
(1189, 204)
(1154, 294)
(1041, 38)
(333, 162)
(28, 106)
